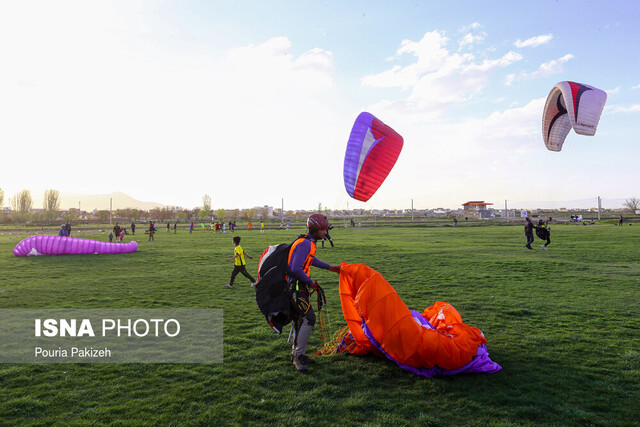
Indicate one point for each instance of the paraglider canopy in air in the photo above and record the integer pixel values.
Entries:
(571, 105)
(372, 151)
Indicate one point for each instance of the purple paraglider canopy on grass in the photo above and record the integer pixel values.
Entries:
(57, 245)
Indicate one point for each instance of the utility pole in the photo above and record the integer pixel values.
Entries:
(599, 207)
(411, 209)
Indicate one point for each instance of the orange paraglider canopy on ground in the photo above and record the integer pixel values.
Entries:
(380, 322)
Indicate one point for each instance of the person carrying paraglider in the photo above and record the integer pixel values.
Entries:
(543, 232)
(300, 285)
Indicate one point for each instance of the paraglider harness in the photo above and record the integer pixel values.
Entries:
(542, 231)
(282, 299)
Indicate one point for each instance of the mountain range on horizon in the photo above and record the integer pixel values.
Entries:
(89, 202)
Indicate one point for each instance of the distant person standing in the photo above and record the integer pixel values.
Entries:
(133, 228)
(240, 264)
(455, 221)
(175, 227)
(168, 228)
(528, 232)
(69, 228)
(621, 220)
(287, 225)
(152, 231)
(326, 236)
(191, 228)
(261, 227)
(116, 232)
(249, 225)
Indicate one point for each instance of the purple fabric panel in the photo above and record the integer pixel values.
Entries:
(418, 317)
(354, 147)
(56, 245)
(480, 362)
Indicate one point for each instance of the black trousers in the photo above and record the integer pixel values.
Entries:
(240, 269)
(529, 238)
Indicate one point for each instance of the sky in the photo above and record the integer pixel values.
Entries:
(252, 102)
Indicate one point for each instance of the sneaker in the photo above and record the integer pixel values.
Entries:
(228, 286)
(544, 247)
(253, 284)
(301, 367)
(529, 247)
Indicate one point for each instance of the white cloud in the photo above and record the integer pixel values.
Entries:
(533, 41)
(555, 66)
(509, 79)
(635, 87)
(469, 40)
(614, 109)
(437, 78)
(471, 27)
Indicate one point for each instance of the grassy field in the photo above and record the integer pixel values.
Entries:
(563, 323)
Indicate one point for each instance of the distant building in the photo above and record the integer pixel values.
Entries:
(477, 209)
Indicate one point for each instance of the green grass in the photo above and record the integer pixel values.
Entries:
(563, 323)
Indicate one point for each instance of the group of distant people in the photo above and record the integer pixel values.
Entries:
(119, 233)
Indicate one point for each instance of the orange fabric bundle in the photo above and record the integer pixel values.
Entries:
(366, 295)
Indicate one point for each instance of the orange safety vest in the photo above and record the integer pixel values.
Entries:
(307, 262)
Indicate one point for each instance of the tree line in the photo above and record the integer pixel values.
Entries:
(22, 210)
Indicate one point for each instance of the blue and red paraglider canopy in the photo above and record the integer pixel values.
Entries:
(372, 151)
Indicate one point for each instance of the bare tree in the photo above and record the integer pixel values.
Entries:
(206, 203)
(103, 216)
(22, 202)
(263, 212)
(51, 204)
(249, 213)
(632, 204)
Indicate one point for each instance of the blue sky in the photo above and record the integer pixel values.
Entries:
(251, 102)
